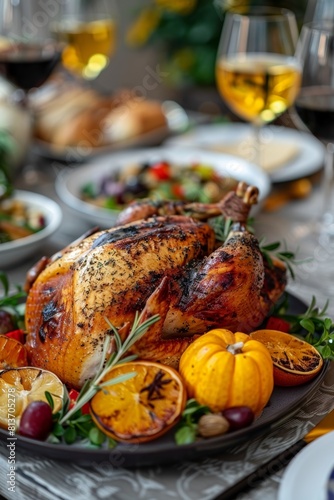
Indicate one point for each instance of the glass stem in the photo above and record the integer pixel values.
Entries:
(257, 157)
(328, 177)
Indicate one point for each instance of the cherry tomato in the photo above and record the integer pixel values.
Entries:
(178, 191)
(161, 171)
(279, 324)
(73, 395)
(17, 335)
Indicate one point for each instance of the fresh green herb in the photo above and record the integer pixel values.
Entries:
(12, 302)
(70, 423)
(186, 431)
(79, 426)
(89, 190)
(286, 256)
(222, 227)
(111, 203)
(7, 146)
(315, 322)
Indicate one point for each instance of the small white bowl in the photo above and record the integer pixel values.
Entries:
(18, 250)
(70, 181)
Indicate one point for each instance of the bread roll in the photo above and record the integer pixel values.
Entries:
(132, 119)
(68, 115)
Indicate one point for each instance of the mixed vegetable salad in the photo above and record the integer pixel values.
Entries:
(18, 220)
(196, 182)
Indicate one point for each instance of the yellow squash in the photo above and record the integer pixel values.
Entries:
(222, 369)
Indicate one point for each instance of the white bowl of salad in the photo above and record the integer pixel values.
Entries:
(98, 190)
(27, 220)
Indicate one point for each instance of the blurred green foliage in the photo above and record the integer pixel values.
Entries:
(6, 146)
(188, 37)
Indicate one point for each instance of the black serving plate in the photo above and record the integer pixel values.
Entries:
(283, 404)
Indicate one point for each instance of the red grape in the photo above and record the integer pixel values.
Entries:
(238, 417)
(36, 420)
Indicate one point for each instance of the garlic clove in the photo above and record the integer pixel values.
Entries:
(212, 424)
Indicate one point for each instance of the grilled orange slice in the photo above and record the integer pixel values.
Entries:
(21, 386)
(295, 361)
(141, 408)
(12, 353)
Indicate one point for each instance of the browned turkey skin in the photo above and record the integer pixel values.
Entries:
(164, 265)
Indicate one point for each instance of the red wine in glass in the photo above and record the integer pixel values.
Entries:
(29, 65)
(315, 108)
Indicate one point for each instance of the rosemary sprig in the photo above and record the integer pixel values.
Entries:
(222, 226)
(92, 386)
(285, 255)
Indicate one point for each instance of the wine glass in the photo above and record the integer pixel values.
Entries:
(319, 10)
(88, 29)
(314, 112)
(257, 73)
(29, 52)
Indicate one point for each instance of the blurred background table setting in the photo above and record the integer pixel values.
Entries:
(102, 103)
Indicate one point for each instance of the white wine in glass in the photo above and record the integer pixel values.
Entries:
(257, 73)
(88, 30)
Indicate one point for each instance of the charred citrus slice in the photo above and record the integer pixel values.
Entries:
(12, 353)
(21, 386)
(141, 408)
(295, 361)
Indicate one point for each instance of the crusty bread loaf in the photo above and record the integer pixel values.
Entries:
(81, 127)
(74, 116)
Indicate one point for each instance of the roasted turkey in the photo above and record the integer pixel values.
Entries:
(168, 265)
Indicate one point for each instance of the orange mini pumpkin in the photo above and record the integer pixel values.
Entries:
(222, 369)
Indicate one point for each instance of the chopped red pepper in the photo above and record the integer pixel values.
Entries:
(73, 395)
(178, 191)
(17, 335)
(161, 170)
(279, 324)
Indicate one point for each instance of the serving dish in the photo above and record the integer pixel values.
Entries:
(284, 403)
(85, 152)
(70, 180)
(15, 251)
(305, 156)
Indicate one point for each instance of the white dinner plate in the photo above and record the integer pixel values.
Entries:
(307, 476)
(14, 252)
(70, 182)
(309, 152)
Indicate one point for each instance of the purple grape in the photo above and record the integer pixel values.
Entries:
(36, 420)
(238, 417)
(6, 322)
